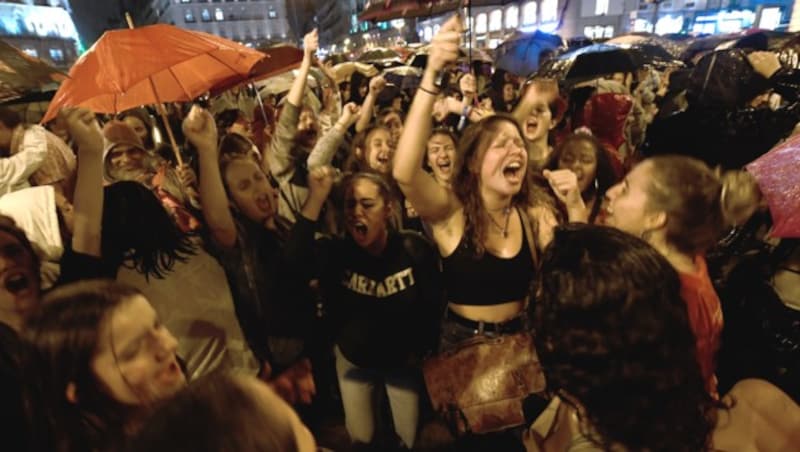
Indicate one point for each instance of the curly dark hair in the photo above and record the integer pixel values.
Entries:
(613, 333)
(138, 231)
(605, 177)
(470, 151)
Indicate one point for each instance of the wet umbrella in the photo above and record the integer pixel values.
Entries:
(21, 74)
(407, 78)
(779, 180)
(756, 41)
(381, 57)
(420, 57)
(590, 62)
(520, 53)
(673, 48)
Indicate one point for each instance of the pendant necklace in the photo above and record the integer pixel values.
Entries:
(503, 229)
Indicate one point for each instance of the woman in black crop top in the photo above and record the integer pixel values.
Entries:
(384, 299)
(479, 225)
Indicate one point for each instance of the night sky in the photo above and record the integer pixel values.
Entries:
(92, 17)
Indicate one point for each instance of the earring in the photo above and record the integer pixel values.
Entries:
(596, 185)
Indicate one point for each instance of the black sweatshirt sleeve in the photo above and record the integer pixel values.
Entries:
(431, 302)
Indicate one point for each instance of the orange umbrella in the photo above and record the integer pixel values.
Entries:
(151, 65)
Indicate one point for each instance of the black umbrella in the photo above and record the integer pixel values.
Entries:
(590, 62)
(404, 77)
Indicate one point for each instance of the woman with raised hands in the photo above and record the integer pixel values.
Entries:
(481, 225)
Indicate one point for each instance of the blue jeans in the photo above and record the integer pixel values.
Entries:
(454, 332)
(359, 387)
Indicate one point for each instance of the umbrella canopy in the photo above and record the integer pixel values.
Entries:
(404, 77)
(279, 59)
(590, 62)
(21, 74)
(154, 64)
(757, 41)
(779, 180)
(520, 53)
(673, 48)
(383, 10)
(420, 57)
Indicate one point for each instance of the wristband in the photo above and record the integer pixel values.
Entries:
(425, 90)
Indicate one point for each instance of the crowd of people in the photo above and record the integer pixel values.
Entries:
(313, 249)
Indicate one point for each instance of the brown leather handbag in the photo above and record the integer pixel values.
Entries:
(479, 386)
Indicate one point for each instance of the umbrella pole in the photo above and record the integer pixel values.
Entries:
(260, 104)
(162, 111)
(469, 27)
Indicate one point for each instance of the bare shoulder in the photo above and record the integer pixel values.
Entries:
(760, 416)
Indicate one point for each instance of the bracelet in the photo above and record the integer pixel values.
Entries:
(425, 90)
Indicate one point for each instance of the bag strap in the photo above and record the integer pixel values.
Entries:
(527, 229)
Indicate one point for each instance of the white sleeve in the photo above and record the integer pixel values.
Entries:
(16, 169)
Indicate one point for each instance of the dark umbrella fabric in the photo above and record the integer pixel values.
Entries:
(590, 62)
(520, 54)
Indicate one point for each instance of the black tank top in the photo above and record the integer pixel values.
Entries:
(488, 280)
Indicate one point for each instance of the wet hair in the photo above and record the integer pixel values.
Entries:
(388, 111)
(60, 340)
(385, 190)
(217, 413)
(234, 143)
(470, 151)
(143, 116)
(227, 118)
(605, 177)
(10, 118)
(139, 233)
(613, 333)
(690, 194)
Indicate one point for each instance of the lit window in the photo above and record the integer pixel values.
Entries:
(608, 32)
(529, 13)
(57, 55)
(549, 10)
(480, 23)
(588, 32)
(188, 16)
(186, 1)
(31, 51)
(512, 17)
(272, 14)
(601, 7)
(427, 34)
(436, 28)
(219, 15)
(496, 20)
(205, 16)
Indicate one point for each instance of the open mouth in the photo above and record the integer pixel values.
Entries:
(16, 282)
(513, 170)
(263, 203)
(360, 229)
(444, 165)
(531, 126)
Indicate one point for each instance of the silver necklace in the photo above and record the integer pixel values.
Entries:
(503, 229)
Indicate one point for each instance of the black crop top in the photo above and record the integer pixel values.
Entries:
(488, 280)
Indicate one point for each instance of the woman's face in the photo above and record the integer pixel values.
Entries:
(138, 127)
(539, 121)
(270, 401)
(366, 213)
(250, 190)
(441, 156)
(393, 122)
(243, 127)
(135, 358)
(627, 207)
(504, 161)
(126, 159)
(19, 292)
(581, 158)
(508, 93)
(379, 149)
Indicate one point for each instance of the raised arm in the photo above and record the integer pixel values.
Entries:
(376, 85)
(88, 199)
(326, 147)
(200, 130)
(430, 200)
(279, 159)
(310, 45)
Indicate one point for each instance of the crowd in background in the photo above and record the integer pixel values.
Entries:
(317, 245)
